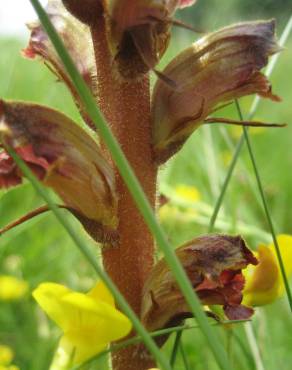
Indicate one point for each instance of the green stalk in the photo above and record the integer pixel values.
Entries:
(266, 209)
(138, 196)
(241, 141)
(91, 258)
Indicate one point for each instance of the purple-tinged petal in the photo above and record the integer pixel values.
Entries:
(220, 67)
(76, 38)
(65, 158)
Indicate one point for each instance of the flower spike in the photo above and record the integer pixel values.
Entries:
(218, 68)
(65, 158)
(213, 263)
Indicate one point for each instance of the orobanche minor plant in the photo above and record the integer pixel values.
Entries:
(115, 44)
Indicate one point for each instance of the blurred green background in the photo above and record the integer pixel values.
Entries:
(40, 250)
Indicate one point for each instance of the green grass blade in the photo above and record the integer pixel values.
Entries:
(91, 258)
(266, 208)
(176, 345)
(241, 141)
(158, 333)
(136, 191)
(184, 357)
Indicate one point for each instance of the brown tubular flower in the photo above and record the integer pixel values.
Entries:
(76, 38)
(86, 11)
(140, 32)
(213, 264)
(65, 158)
(218, 68)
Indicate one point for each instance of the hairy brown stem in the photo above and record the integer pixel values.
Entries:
(126, 106)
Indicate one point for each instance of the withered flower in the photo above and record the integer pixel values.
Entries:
(76, 37)
(86, 11)
(213, 264)
(218, 68)
(65, 158)
(140, 32)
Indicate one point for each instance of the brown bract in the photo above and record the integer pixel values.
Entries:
(65, 158)
(77, 40)
(139, 32)
(86, 11)
(222, 66)
(213, 264)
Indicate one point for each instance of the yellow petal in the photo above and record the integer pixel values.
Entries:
(89, 321)
(101, 292)
(6, 355)
(262, 281)
(285, 245)
(12, 288)
(48, 296)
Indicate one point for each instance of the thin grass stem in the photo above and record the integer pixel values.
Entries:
(254, 346)
(266, 209)
(184, 356)
(135, 340)
(175, 348)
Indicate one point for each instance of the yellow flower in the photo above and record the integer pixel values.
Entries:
(89, 321)
(187, 192)
(12, 288)
(264, 283)
(6, 355)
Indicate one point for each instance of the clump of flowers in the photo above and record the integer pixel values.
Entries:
(115, 44)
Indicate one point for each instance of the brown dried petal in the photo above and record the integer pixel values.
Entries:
(213, 264)
(76, 38)
(87, 11)
(64, 157)
(140, 32)
(220, 67)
